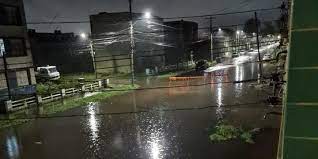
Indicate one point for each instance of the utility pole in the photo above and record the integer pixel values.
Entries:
(132, 44)
(93, 56)
(258, 48)
(211, 39)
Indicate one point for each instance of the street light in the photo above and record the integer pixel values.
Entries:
(220, 29)
(147, 15)
(83, 36)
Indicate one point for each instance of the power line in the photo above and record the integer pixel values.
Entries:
(242, 106)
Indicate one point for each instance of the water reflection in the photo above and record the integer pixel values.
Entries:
(239, 74)
(219, 94)
(93, 122)
(219, 109)
(155, 146)
(12, 147)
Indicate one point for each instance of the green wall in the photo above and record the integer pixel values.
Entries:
(300, 135)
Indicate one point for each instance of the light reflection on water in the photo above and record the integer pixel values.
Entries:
(219, 109)
(239, 74)
(155, 146)
(93, 123)
(12, 147)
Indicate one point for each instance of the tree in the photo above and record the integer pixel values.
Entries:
(268, 28)
(250, 26)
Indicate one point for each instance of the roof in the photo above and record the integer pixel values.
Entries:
(47, 67)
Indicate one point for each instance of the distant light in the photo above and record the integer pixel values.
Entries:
(237, 32)
(254, 34)
(220, 29)
(148, 15)
(83, 36)
(279, 37)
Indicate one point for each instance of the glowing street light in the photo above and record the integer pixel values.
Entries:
(147, 15)
(220, 29)
(83, 36)
(279, 37)
(238, 32)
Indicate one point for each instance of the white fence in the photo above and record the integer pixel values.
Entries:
(16, 105)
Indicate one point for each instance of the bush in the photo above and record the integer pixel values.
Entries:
(225, 132)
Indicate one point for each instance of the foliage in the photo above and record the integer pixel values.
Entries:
(250, 26)
(69, 103)
(268, 28)
(76, 102)
(9, 123)
(226, 132)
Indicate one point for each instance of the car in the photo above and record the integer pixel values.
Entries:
(267, 57)
(47, 73)
(201, 65)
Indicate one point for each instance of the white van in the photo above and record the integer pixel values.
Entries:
(47, 73)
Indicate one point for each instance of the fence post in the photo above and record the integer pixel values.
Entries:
(25, 103)
(83, 88)
(52, 99)
(105, 83)
(92, 88)
(8, 105)
(39, 99)
(100, 84)
(63, 93)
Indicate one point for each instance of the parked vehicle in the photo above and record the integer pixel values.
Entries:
(201, 65)
(267, 57)
(47, 73)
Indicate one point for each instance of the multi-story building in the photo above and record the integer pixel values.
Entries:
(67, 51)
(224, 45)
(16, 66)
(180, 35)
(112, 47)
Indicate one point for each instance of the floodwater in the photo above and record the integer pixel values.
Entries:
(156, 123)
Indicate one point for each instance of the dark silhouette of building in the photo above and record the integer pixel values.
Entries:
(16, 66)
(224, 42)
(68, 52)
(180, 35)
(111, 42)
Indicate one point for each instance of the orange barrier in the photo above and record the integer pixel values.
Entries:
(184, 78)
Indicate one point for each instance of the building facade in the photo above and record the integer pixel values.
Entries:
(180, 35)
(68, 52)
(112, 45)
(16, 65)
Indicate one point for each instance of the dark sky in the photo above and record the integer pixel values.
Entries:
(74, 10)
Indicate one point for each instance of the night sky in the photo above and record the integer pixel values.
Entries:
(77, 10)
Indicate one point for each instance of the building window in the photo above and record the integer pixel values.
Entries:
(9, 15)
(12, 47)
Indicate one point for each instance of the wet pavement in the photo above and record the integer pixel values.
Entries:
(156, 123)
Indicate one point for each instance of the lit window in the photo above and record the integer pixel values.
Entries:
(12, 47)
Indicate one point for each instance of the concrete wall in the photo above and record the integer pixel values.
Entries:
(300, 136)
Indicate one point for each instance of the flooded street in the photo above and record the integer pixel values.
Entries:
(156, 123)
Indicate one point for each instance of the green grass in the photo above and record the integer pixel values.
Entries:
(76, 102)
(67, 104)
(225, 132)
(10, 123)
